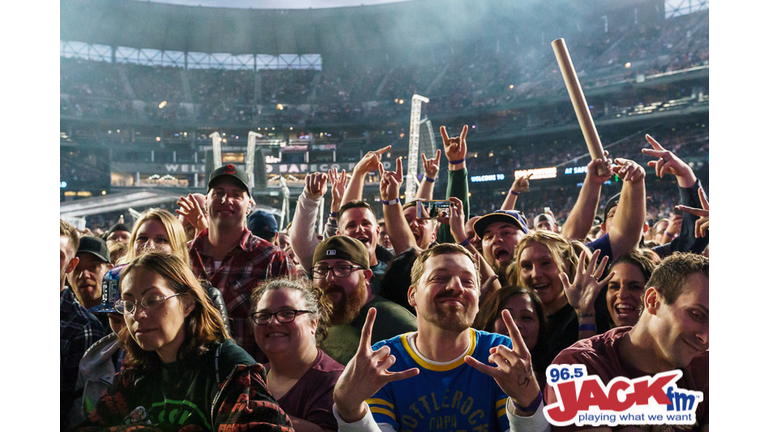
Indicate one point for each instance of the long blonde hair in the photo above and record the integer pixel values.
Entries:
(562, 251)
(173, 228)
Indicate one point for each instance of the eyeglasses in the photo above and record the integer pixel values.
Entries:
(147, 303)
(284, 316)
(340, 271)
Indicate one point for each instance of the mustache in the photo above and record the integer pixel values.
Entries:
(448, 295)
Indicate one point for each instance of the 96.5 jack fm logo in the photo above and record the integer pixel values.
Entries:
(584, 400)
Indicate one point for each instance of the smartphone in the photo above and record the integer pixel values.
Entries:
(433, 209)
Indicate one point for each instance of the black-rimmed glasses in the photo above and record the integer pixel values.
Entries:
(340, 271)
(147, 303)
(284, 316)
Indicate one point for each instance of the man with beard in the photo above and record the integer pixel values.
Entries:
(409, 234)
(341, 270)
(85, 279)
(442, 376)
(230, 257)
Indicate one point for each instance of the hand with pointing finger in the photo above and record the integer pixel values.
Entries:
(370, 162)
(521, 184)
(514, 370)
(702, 224)
(669, 163)
(365, 375)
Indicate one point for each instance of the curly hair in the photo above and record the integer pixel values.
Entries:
(313, 297)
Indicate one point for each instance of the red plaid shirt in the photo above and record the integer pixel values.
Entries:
(245, 266)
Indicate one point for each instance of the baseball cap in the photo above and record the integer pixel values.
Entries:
(95, 246)
(110, 291)
(262, 224)
(543, 216)
(231, 171)
(611, 203)
(342, 247)
(512, 216)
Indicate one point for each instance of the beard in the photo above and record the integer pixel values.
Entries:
(348, 307)
(453, 318)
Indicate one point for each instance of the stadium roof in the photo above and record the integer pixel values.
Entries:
(274, 4)
(391, 28)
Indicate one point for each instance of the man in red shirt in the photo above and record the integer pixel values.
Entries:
(230, 257)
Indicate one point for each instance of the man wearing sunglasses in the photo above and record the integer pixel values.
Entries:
(340, 268)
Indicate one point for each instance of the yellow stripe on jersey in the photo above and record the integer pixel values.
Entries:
(383, 411)
(377, 401)
(440, 368)
(501, 402)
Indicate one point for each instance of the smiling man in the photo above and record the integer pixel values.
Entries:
(357, 220)
(230, 257)
(341, 270)
(672, 333)
(444, 376)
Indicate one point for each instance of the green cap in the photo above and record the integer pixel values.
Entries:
(342, 247)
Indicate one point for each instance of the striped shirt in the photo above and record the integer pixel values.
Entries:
(443, 396)
(250, 262)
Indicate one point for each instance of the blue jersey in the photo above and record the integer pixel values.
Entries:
(451, 397)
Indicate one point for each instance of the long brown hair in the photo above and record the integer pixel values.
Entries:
(491, 307)
(202, 327)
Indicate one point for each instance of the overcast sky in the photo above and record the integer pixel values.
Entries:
(276, 4)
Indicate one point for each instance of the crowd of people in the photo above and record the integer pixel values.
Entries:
(206, 316)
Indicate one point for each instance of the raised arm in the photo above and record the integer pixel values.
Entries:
(458, 231)
(399, 233)
(627, 225)
(688, 239)
(338, 182)
(521, 184)
(582, 215)
(458, 181)
(302, 232)
(431, 168)
(369, 163)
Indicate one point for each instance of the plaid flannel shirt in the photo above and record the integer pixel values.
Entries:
(79, 330)
(242, 269)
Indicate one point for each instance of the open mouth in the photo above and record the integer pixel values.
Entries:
(363, 239)
(625, 310)
(501, 255)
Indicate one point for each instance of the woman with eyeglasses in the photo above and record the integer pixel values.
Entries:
(181, 369)
(289, 319)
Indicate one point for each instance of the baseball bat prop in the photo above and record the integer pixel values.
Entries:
(578, 100)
